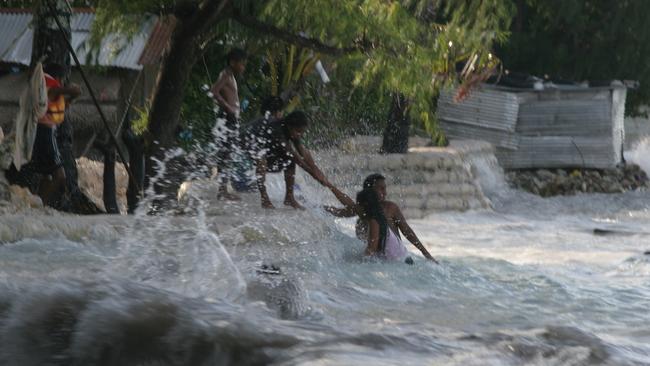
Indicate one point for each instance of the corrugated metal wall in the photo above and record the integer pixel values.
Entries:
(116, 51)
(553, 128)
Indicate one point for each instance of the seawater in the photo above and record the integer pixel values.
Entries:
(528, 282)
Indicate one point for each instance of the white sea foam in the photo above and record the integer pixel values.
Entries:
(526, 283)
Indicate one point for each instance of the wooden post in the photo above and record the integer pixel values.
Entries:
(396, 134)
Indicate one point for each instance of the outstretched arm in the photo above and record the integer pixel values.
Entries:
(340, 212)
(306, 155)
(410, 235)
(303, 159)
(308, 161)
(311, 169)
(350, 210)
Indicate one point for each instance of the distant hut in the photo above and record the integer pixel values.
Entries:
(112, 72)
(545, 126)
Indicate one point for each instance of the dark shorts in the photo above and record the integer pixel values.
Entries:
(46, 157)
(228, 134)
(228, 146)
(276, 163)
(232, 125)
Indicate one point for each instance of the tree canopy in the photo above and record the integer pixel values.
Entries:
(410, 46)
(582, 40)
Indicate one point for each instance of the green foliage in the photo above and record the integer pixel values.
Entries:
(402, 51)
(197, 113)
(32, 3)
(583, 40)
(124, 17)
(409, 46)
(288, 68)
(338, 110)
(139, 124)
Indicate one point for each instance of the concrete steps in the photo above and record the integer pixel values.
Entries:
(422, 182)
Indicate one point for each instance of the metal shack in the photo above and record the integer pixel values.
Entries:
(122, 64)
(556, 127)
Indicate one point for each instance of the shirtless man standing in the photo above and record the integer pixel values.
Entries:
(226, 94)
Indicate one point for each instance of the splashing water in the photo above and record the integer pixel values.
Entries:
(527, 283)
(640, 154)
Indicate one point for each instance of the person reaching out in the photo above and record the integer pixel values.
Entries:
(275, 146)
(271, 111)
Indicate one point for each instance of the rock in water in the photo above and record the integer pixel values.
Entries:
(548, 183)
(283, 294)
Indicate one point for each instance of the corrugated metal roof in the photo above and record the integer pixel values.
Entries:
(561, 152)
(82, 20)
(115, 51)
(157, 42)
(13, 26)
(483, 108)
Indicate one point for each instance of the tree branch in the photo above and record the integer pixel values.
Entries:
(209, 13)
(297, 39)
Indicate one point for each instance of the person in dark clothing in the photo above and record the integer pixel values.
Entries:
(243, 180)
(225, 92)
(275, 146)
(46, 162)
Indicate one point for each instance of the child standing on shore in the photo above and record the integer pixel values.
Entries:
(226, 94)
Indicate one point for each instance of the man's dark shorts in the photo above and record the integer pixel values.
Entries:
(232, 125)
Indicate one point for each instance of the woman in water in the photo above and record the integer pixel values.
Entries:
(380, 221)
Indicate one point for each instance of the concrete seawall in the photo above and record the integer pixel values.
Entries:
(422, 182)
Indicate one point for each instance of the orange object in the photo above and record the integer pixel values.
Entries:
(55, 107)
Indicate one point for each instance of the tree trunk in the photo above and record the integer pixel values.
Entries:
(192, 23)
(110, 192)
(396, 134)
(50, 46)
(169, 91)
(165, 110)
(49, 43)
(520, 18)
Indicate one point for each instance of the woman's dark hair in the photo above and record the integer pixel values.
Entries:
(236, 55)
(372, 179)
(272, 104)
(296, 119)
(368, 200)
